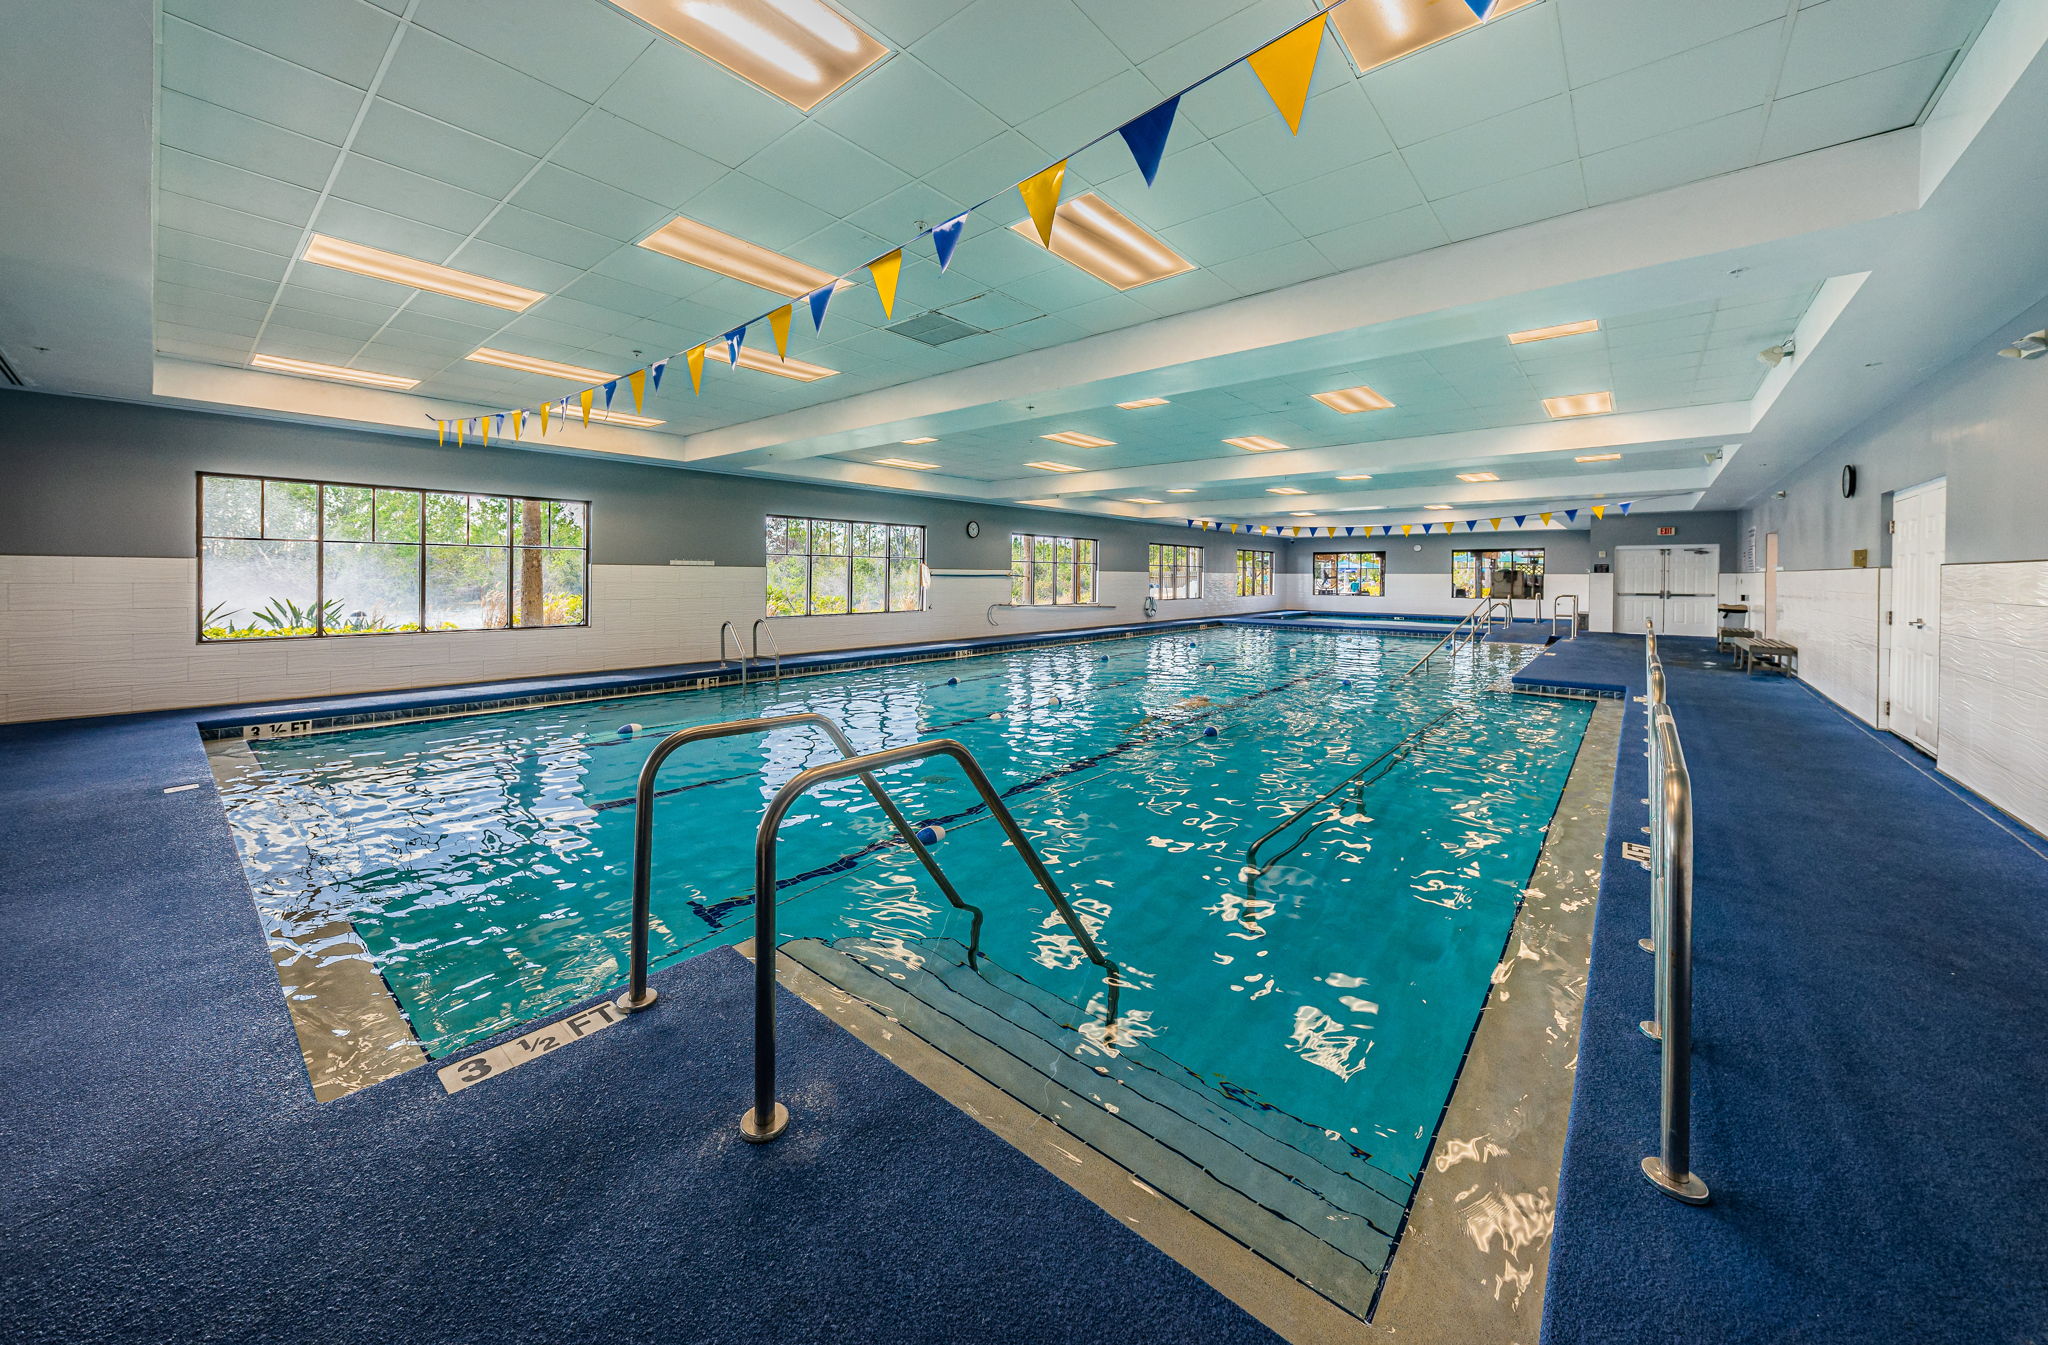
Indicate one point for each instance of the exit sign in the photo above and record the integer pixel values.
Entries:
(1667, 532)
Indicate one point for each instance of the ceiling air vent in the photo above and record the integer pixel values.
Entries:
(8, 375)
(934, 329)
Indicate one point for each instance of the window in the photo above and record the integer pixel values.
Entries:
(1051, 570)
(318, 558)
(1254, 574)
(1349, 574)
(1176, 570)
(1497, 574)
(830, 567)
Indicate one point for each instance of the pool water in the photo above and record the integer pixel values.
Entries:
(484, 860)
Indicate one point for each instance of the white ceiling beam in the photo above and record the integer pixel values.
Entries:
(1575, 490)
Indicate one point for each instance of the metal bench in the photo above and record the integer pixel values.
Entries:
(1753, 652)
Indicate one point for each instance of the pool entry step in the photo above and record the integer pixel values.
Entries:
(1298, 1195)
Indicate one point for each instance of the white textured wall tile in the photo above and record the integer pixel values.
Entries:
(1994, 684)
(1833, 616)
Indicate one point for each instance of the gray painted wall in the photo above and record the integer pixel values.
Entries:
(1982, 422)
(1706, 528)
(97, 478)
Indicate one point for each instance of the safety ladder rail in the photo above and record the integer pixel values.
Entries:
(1557, 614)
(727, 628)
(1479, 620)
(768, 1118)
(638, 995)
(774, 651)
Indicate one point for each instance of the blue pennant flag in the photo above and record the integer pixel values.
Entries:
(1480, 7)
(498, 424)
(1624, 505)
(1571, 515)
(1471, 525)
(1347, 532)
(734, 339)
(659, 365)
(819, 298)
(947, 237)
(1146, 136)
(609, 389)
(1519, 518)
(1427, 526)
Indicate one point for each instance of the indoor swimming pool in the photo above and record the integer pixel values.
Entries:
(1323, 996)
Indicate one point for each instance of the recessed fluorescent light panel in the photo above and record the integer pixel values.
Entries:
(763, 362)
(1477, 476)
(912, 463)
(1357, 476)
(1351, 401)
(927, 439)
(1598, 457)
(1094, 235)
(1436, 506)
(1580, 404)
(1140, 499)
(1141, 403)
(1181, 490)
(1285, 490)
(1552, 333)
(1075, 439)
(750, 263)
(598, 414)
(527, 364)
(1053, 466)
(1301, 513)
(802, 51)
(1255, 443)
(1387, 30)
(277, 364)
(380, 265)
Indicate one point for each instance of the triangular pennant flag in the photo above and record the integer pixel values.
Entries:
(694, 357)
(734, 339)
(1479, 7)
(1285, 65)
(1297, 532)
(1625, 504)
(461, 426)
(518, 423)
(585, 398)
(1599, 511)
(637, 381)
(610, 387)
(545, 407)
(1571, 515)
(819, 298)
(778, 324)
(441, 428)
(1471, 525)
(1041, 193)
(1404, 529)
(1145, 136)
(885, 269)
(659, 365)
(1545, 518)
(1426, 527)
(483, 425)
(947, 237)
(1495, 522)
(1450, 526)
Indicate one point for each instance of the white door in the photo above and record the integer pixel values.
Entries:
(1919, 543)
(1673, 586)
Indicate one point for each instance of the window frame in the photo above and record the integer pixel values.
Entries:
(1315, 588)
(320, 539)
(1473, 554)
(1184, 568)
(1024, 569)
(811, 569)
(1261, 574)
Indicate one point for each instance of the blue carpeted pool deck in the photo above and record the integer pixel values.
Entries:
(1870, 947)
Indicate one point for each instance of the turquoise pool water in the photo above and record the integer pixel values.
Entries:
(484, 860)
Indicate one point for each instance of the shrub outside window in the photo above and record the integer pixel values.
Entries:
(838, 567)
(1349, 574)
(1051, 571)
(285, 559)
(1254, 574)
(1497, 574)
(1176, 570)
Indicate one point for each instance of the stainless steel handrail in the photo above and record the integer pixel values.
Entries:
(768, 1118)
(1670, 1169)
(1474, 636)
(760, 623)
(638, 995)
(1557, 615)
(737, 648)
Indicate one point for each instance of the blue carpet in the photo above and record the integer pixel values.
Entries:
(1871, 979)
(170, 1178)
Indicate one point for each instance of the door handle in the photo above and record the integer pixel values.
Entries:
(1917, 622)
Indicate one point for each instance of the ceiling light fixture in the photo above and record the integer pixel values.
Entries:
(2027, 347)
(527, 364)
(1053, 466)
(1579, 404)
(1552, 333)
(1181, 490)
(277, 364)
(926, 439)
(802, 51)
(1285, 490)
(1092, 234)
(598, 414)
(1255, 443)
(1773, 356)
(1436, 506)
(1301, 513)
(1477, 476)
(762, 362)
(411, 271)
(1351, 401)
(1140, 499)
(1387, 30)
(1076, 439)
(701, 245)
(1142, 403)
(912, 463)
(1597, 457)
(1357, 476)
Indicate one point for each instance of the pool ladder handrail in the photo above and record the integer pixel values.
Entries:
(727, 628)
(638, 994)
(774, 651)
(1557, 614)
(768, 1118)
(1479, 626)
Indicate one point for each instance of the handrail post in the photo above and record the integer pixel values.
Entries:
(1670, 1169)
(774, 650)
(724, 629)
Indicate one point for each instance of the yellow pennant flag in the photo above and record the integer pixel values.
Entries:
(694, 357)
(637, 381)
(1285, 65)
(1297, 532)
(1495, 522)
(1041, 193)
(544, 408)
(483, 426)
(778, 322)
(441, 429)
(1545, 518)
(1405, 527)
(885, 270)
(586, 398)
(518, 423)
(1599, 511)
(460, 425)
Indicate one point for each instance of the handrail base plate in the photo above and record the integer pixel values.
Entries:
(626, 1003)
(753, 1132)
(1691, 1189)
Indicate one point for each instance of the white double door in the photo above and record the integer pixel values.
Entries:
(1672, 586)
(1919, 543)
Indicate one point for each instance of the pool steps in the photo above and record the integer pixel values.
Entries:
(1327, 1228)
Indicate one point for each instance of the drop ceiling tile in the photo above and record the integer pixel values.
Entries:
(379, 229)
(1020, 60)
(1396, 235)
(1511, 62)
(1195, 182)
(206, 279)
(1185, 293)
(1882, 100)
(1249, 227)
(827, 170)
(222, 256)
(899, 23)
(1707, 82)
(580, 49)
(629, 157)
(225, 185)
(374, 183)
(205, 335)
(1840, 39)
(1510, 145)
(1287, 264)
(751, 209)
(1063, 287)
(329, 325)
(1504, 205)
(586, 203)
(672, 90)
(564, 244)
(169, 296)
(904, 112)
(839, 247)
(426, 145)
(1689, 154)
(1338, 130)
(617, 296)
(989, 170)
(301, 343)
(311, 299)
(1076, 121)
(479, 318)
(1603, 38)
(213, 132)
(202, 63)
(1349, 196)
(403, 350)
(409, 319)
(344, 42)
(596, 319)
(1001, 257)
(430, 74)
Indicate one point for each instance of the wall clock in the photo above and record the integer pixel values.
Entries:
(1848, 481)
(973, 528)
